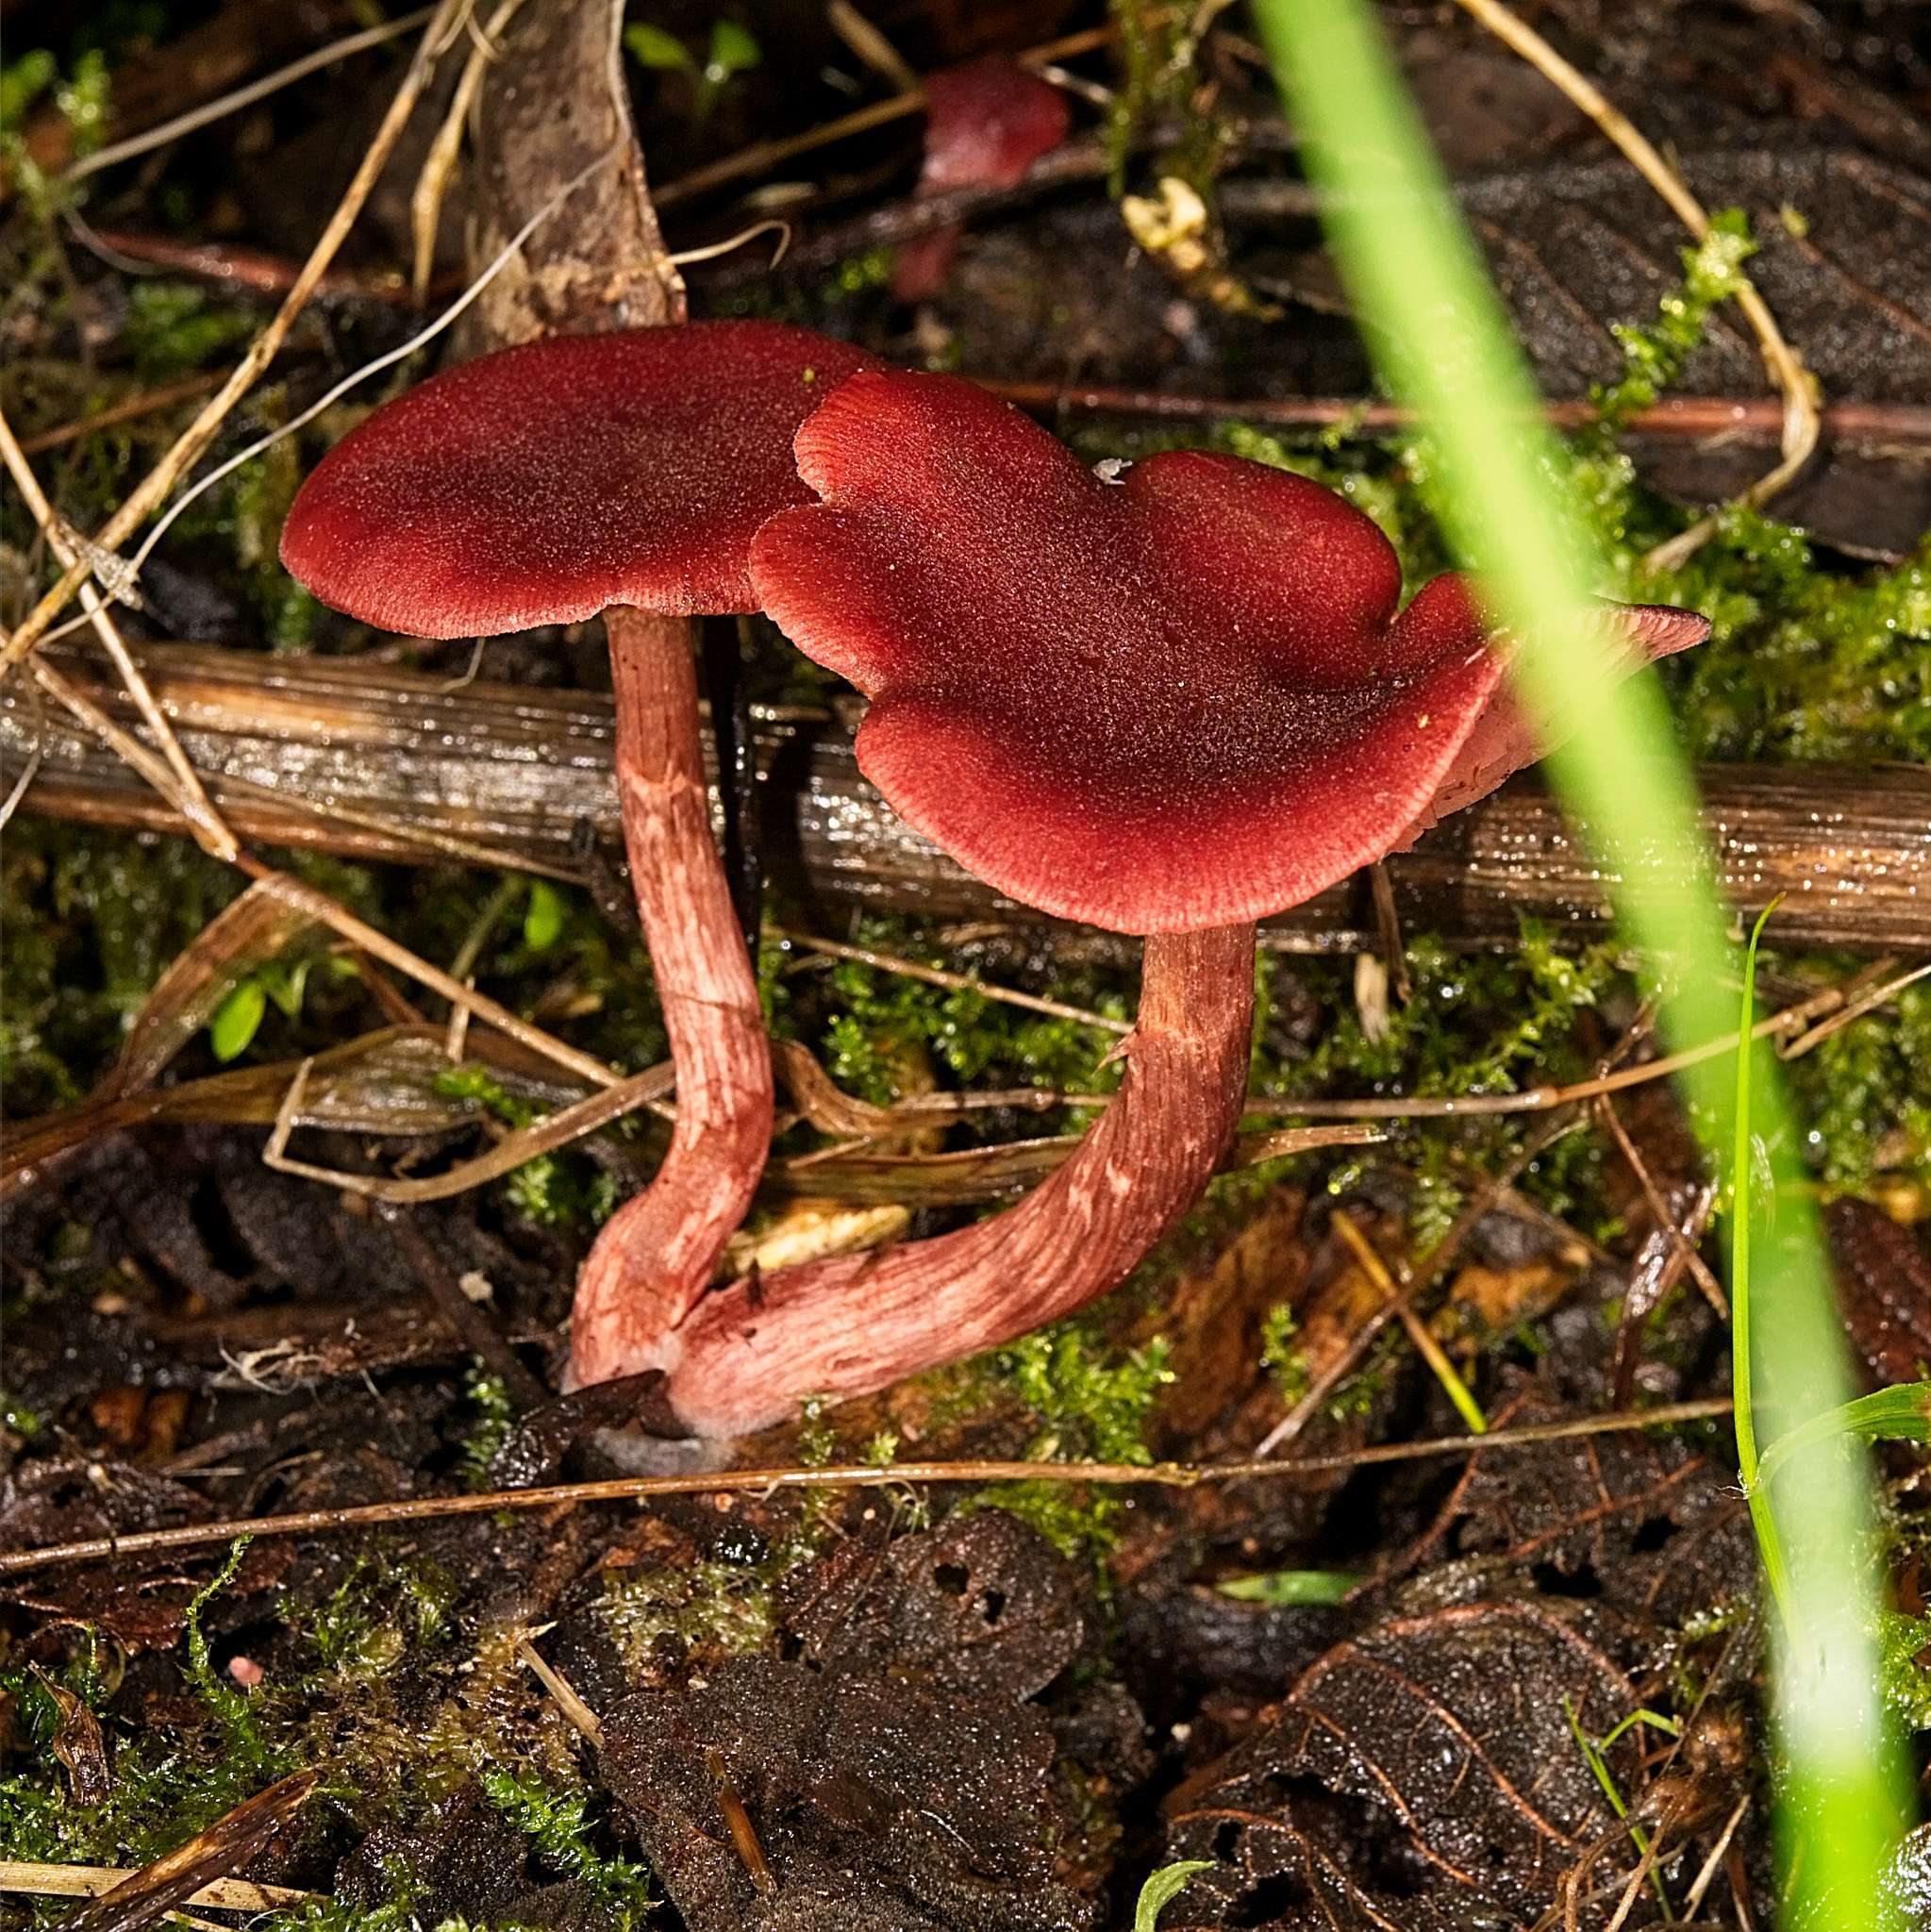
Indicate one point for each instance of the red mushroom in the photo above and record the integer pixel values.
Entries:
(1505, 740)
(624, 475)
(1165, 706)
(986, 122)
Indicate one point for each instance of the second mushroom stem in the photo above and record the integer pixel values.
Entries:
(748, 1354)
(654, 1259)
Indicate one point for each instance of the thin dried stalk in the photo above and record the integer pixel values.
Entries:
(541, 1137)
(233, 102)
(153, 488)
(560, 1689)
(1854, 1009)
(209, 828)
(145, 404)
(872, 46)
(91, 1881)
(339, 918)
(379, 1084)
(439, 165)
(1401, 1305)
(953, 982)
(1801, 419)
(1171, 1475)
(1544, 1099)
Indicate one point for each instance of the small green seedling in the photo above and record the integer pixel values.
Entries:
(733, 51)
(1162, 1888)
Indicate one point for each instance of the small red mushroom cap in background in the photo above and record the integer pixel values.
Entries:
(986, 122)
(546, 482)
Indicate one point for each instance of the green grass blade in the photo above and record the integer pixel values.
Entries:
(1763, 1519)
(1443, 345)
(1901, 1413)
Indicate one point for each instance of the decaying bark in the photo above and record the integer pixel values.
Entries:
(522, 772)
(550, 106)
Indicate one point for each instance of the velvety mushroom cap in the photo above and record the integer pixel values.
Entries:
(539, 485)
(1181, 700)
(986, 122)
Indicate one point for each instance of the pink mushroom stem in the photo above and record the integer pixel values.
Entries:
(654, 1259)
(747, 1355)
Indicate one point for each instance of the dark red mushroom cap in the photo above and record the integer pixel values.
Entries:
(539, 485)
(986, 122)
(1178, 701)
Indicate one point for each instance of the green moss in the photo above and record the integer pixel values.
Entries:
(1904, 1667)
(232, 1711)
(870, 1018)
(173, 327)
(720, 1608)
(89, 922)
(552, 1190)
(557, 1822)
(1656, 354)
(82, 98)
(1091, 1406)
(488, 1400)
(1281, 1354)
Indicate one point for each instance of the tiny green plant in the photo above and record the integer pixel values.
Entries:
(1594, 1752)
(1294, 1586)
(733, 50)
(544, 916)
(1162, 1888)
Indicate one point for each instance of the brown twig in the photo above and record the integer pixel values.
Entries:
(1684, 417)
(211, 1853)
(1545, 1099)
(1665, 1221)
(859, 1477)
(149, 403)
(256, 271)
(402, 766)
